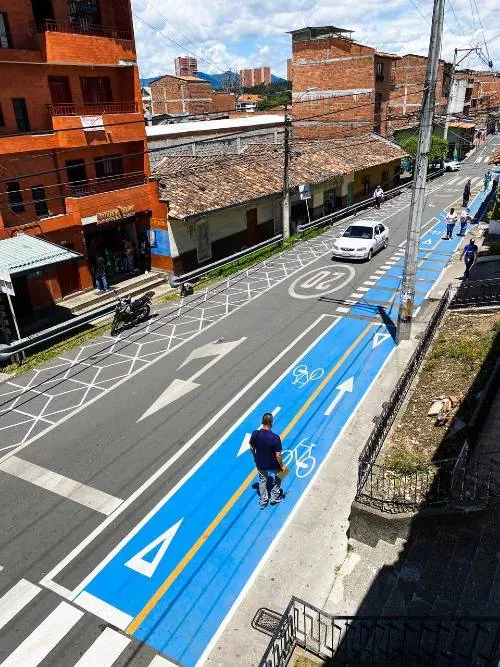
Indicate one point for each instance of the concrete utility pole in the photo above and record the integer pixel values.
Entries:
(286, 176)
(420, 176)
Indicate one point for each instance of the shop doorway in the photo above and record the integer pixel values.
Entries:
(118, 245)
(252, 229)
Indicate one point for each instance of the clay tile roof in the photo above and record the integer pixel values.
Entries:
(495, 158)
(462, 124)
(197, 185)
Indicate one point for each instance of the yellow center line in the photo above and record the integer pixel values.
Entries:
(188, 557)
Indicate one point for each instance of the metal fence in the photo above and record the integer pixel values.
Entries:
(477, 294)
(384, 640)
(391, 408)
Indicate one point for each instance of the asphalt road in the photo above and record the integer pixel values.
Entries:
(135, 515)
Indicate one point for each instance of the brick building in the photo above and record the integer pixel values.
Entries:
(180, 95)
(186, 66)
(255, 77)
(333, 84)
(289, 69)
(72, 140)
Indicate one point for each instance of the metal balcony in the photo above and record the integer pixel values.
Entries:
(80, 28)
(92, 109)
(108, 184)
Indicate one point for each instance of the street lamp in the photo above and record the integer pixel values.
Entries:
(286, 168)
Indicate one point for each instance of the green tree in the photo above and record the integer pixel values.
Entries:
(438, 151)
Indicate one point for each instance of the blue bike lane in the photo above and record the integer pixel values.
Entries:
(173, 581)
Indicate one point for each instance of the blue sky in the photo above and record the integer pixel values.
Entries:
(229, 34)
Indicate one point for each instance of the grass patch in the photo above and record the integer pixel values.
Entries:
(406, 462)
(468, 348)
(65, 345)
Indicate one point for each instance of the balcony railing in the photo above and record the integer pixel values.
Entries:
(107, 184)
(80, 28)
(92, 109)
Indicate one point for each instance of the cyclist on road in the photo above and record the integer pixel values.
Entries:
(266, 448)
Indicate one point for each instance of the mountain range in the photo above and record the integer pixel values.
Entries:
(216, 80)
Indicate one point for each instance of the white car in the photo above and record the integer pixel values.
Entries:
(361, 240)
(451, 165)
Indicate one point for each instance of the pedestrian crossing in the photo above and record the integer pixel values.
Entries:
(37, 627)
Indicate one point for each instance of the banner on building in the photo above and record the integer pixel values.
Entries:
(92, 123)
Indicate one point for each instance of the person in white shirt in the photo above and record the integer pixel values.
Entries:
(378, 195)
(451, 220)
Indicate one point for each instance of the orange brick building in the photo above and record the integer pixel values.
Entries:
(178, 95)
(255, 77)
(72, 139)
(333, 84)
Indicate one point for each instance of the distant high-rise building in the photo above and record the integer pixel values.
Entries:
(255, 77)
(186, 66)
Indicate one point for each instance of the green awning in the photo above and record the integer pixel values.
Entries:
(24, 253)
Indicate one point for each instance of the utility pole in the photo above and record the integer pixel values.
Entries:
(420, 177)
(286, 176)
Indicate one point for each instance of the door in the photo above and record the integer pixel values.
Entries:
(42, 10)
(252, 228)
(60, 90)
(96, 89)
(68, 277)
(77, 175)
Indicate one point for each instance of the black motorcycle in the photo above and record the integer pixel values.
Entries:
(129, 313)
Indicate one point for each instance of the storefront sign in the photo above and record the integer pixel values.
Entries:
(115, 214)
(305, 191)
(6, 285)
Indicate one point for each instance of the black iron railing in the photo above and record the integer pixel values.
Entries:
(80, 28)
(391, 408)
(384, 640)
(71, 109)
(108, 184)
(477, 294)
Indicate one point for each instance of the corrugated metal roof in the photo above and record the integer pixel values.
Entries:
(24, 252)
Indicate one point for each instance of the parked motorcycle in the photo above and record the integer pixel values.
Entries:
(129, 313)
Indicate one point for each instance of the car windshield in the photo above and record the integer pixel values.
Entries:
(358, 232)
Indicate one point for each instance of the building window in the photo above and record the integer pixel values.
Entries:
(15, 197)
(366, 185)
(2, 119)
(96, 89)
(203, 245)
(84, 12)
(21, 114)
(108, 166)
(5, 40)
(41, 208)
(380, 71)
(60, 90)
(378, 102)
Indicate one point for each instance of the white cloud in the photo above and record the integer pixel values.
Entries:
(226, 34)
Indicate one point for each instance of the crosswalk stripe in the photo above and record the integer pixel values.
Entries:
(452, 181)
(105, 650)
(45, 637)
(15, 599)
(158, 661)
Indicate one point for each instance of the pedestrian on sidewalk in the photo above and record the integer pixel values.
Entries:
(378, 195)
(487, 179)
(101, 281)
(451, 220)
(464, 219)
(466, 195)
(469, 254)
(266, 448)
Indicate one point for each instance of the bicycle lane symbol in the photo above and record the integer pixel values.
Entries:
(301, 458)
(303, 376)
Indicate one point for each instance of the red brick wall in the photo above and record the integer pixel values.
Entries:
(223, 102)
(172, 95)
(332, 66)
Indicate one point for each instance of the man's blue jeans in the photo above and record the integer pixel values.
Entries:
(102, 282)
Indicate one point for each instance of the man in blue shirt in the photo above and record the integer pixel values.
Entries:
(469, 254)
(266, 448)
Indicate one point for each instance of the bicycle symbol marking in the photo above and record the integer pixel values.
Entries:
(303, 377)
(301, 457)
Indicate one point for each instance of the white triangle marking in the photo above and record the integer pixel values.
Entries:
(245, 445)
(148, 568)
(379, 338)
(176, 389)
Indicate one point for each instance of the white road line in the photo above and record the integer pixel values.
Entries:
(374, 277)
(105, 650)
(341, 309)
(391, 262)
(45, 637)
(103, 610)
(363, 289)
(159, 661)
(356, 295)
(15, 599)
(370, 282)
(385, 266)
(452, 181)
(63, 486)
(380, 273)
(477, 160)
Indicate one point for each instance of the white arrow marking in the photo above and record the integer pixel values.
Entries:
(245, 445)
(146, 567)
(379, 338)
(176, 389)
(179, 388)
(428, 242)
(344, 387)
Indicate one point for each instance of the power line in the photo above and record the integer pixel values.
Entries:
(456, 17)
(482, 32)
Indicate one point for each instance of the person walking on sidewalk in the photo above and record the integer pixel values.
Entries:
(378, 195)
(466, 195)
(469, 254)
(266, 448)
(100, 274)
(487, 179)
(464, 219)
(451, 220)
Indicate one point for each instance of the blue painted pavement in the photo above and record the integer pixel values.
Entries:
(200, 546)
